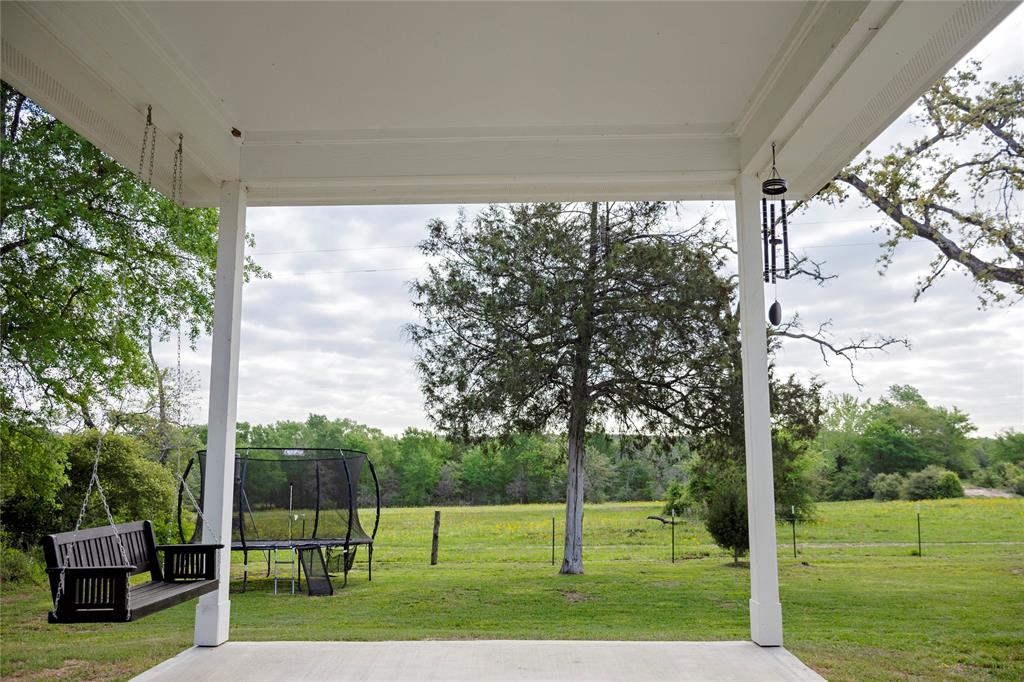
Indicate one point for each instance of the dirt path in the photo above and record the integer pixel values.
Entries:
(988, 493)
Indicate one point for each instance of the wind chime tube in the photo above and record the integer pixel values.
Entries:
(764, 234)
(771, 218)
(785, 238)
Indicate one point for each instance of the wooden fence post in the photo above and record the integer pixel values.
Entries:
(437, 529)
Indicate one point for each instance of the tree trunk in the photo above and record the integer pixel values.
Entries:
(572, 560)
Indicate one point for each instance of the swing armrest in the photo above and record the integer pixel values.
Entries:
(92, 590)
(185, 562)
(189, 545)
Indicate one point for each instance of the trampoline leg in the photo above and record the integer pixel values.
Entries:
(245, 569)
(369, 562)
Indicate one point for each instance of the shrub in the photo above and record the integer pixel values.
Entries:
(1018, 485)
(727, 517)
(136, 488)
(931, 483)
(949, 485)
(1009, 447)
(848, 484)
(999, 475)
(887, 487)
(18, 567)
(32, 473)
(676, 499)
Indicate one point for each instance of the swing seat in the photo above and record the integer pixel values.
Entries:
(97, 582)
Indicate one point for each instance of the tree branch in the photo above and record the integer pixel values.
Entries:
(849, 351)
(979, 268)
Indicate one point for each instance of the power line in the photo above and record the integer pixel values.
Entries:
(342, 272)
(835, 246)
(307, 273)
(355, 248)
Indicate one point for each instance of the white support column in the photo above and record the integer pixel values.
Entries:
(765, 609)
(213, 613)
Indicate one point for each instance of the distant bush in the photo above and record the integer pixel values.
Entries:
(136, 488)
(886, 487)
(1009, 447)
(33, 464)
(726, 518)
(849, 484)
(18, 567)
(999, 475)
(950, 486)
(932, 483)
(677, 499)
(1017, 486)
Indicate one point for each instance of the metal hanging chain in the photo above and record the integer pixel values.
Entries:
(181, 170)
(148, 141)
(199, 510)
(145, 138)
(177, 380)
(177, 174)
(177, 198)
(94, 483)
(152, 155)
(116, 332)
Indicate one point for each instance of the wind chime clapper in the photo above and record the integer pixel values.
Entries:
(774, 233)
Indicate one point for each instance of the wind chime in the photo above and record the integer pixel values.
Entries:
(774, 233)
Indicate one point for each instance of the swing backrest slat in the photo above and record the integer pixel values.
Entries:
(98, 548)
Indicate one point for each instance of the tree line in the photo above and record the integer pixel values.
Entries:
(826, 448)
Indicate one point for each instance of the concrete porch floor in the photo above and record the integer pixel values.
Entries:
(478, 660)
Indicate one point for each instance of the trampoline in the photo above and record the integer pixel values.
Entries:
(287, 499)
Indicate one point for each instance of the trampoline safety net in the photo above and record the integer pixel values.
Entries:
(285, 498)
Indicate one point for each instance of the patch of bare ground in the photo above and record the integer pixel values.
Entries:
(988, 493)
(74, 669)
(574, 597)
(737, 564)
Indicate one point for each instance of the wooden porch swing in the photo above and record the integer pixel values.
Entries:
(90, 573)
(90, 570)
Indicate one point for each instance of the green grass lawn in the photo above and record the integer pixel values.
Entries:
(858, 605)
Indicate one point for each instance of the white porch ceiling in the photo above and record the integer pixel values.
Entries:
(381, 102)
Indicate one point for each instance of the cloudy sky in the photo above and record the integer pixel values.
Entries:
(325, 335)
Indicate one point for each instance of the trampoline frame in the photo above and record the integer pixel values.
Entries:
(348, 545)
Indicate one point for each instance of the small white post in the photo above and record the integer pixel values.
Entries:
(213, 612)
(765, 609)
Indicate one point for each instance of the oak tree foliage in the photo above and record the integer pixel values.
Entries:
(958, 185)
(92, 262)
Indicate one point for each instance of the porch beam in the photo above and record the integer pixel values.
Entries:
(765, 609)
(486, 165)
(213, 610)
